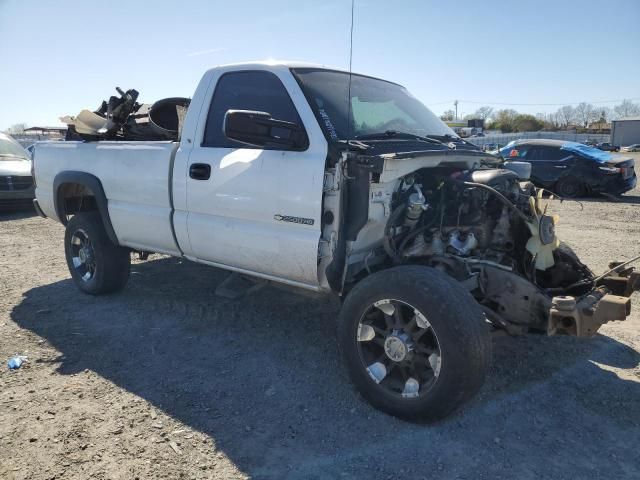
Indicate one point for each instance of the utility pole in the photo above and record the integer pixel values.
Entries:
(455, 103)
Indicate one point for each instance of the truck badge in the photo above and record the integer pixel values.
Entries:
(288, 218)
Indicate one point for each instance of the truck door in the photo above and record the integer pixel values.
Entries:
(255, 209)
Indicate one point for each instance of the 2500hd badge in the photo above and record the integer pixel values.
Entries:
(288, 218)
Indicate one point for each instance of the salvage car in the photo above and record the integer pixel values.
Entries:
(16, 182)
(428, 240)
(572, 169)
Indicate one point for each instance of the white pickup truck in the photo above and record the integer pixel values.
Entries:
(341, 184)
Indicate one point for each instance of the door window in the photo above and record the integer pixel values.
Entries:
(515, 152)
(248, 90)
(535, 154)
(552, 154)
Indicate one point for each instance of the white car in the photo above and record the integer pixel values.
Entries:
(631, 148)
(16, 182)
(278, 175)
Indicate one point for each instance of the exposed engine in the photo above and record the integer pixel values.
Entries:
(491, 232)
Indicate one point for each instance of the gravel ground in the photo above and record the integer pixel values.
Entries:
(166, 380)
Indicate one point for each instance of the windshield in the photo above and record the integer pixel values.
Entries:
(377, 106)
(10, 149)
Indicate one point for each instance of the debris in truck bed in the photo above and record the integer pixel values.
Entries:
(123, 118)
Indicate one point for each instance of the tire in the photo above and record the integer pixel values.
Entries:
(97, 266)
(454, 320)
(570, 187)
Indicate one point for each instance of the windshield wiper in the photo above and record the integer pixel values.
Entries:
(401, 135)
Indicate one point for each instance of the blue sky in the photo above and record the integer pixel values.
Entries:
(64, 55)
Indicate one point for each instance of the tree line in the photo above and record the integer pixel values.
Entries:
(579, 116)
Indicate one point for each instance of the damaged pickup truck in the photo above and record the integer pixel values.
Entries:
(340, 184)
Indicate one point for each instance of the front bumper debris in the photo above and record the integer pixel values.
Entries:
(606, 302)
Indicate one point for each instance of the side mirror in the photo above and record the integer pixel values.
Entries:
(259, 129)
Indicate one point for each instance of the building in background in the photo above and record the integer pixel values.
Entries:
(31, 135)
(466, 128)
(599, 127)
(625, 131)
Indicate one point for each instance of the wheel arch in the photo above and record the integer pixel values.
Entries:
(70, 184)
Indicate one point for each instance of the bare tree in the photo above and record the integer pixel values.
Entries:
(626, 109)
(566, 115)
(17, 128)
(447, 116)
(604, 114)
(585, 114)
(483, 112)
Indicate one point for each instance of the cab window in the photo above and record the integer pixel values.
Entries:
(248, 90)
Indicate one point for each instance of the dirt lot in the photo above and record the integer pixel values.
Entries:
(166, 380)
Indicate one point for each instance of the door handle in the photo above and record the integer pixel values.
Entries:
(200, 171)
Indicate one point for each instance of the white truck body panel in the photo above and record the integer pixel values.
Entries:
(232, 218)
(135, 178)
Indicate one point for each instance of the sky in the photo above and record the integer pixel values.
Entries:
(61, 56)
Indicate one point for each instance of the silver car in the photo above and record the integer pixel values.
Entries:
(16, 182)
(631, 148)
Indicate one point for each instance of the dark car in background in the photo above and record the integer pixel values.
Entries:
(607, 147)
(16, 182)
(573, 169)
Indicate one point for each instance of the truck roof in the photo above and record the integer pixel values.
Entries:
(282, 63)
(287, 64)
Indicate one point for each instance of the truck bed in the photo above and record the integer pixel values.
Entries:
(136, 178)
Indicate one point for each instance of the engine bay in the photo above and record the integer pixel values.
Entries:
(494, 232)
(486, 215)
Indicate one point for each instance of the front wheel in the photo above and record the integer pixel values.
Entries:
(96, 265)
(415, 342)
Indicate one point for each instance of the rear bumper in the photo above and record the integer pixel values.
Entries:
(616, 185)
(608, 301)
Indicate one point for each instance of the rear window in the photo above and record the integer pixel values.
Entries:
(586, 151)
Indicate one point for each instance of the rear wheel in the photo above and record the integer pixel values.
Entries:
(570, 187)
(415, 342)
(96, 265)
